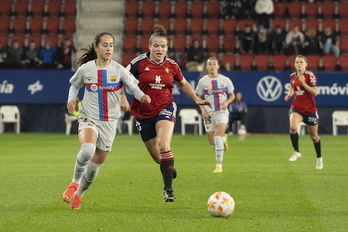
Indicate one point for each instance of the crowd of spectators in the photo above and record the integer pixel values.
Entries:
(36, 57)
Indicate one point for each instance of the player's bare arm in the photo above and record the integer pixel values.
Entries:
(188, 90)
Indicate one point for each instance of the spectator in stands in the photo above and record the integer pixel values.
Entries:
(264, 12)
(47, 56)
(261, 41)
(246, 40)
(311, 44)
(231, 9)
(247, 9)
(3, 56)
(329, 42)
(64, 54)
(30, 58)
(238, 109)
(277, 38)
(195, 56)
(14, 54)
(294, 40)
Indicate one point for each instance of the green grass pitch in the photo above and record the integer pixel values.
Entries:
(271, 193)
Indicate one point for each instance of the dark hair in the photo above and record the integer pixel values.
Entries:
(90, 53)
(303, 57)
(158, 31)
(204, 72)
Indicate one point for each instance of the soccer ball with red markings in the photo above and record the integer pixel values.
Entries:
(220, 204)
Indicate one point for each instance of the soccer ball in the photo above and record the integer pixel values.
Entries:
(220, 204)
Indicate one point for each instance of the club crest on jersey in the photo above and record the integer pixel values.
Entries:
(113, 78)
(167, 70)
(222, 85)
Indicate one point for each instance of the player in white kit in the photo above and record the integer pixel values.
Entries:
(218, 89)
(103, 79)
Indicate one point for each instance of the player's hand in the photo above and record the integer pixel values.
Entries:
(124, 104)
(146, 99)
(287, 98)
(204, 102)
(71, 106)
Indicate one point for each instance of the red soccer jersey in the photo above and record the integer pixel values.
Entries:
(303, 101)
(155, 80)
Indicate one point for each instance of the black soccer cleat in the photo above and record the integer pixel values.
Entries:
(168, 195)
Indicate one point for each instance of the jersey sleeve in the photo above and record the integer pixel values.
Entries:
(178, 76)
(230, 86)
(77, 79)
(128, 80)
(312, 79)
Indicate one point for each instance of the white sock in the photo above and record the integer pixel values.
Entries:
(219, 150)
(84, 155)
(88, 177)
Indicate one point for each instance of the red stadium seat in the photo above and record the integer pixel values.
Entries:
(311, 10)
(343, 10)
(19, 25)
(212, 26)
(127, 58)
(213, 9)
(279, 9)
(3, 41)
(279, 22)
(230, 59)
(212, 44)
(261, 62)
(129, 44)
(229, 26)
(147, 9)
(197, 9)
(295, 9)
(295, 22)
(19, 38)
(131, 9)
(53, 39)
(130, 26)
(279, 62)
(143, 43)
(328, 23)
(291, 62)
(313, 62)
(229, 44)
(4, 25)
(146, 26)
(344, 63)
(180, 10)
(327, 10)
(164, 9)
(68, 25)
(21, 8)
(343, 27)
(329, 62)
(180, 26)
(52, 8)
(241, 23)
(5, 8)
(35, 25)
(196, 26)
(311, 24)
(179, 43)
(344, 44)
(245, 62)
(37, 8)
(69, 9)
(51, 25)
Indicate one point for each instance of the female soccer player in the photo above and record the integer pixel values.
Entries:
(303, 108)
(155, 121)
(218, 89)
(102, 79)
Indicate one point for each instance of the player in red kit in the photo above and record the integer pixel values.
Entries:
(155, 122)
(303, 108)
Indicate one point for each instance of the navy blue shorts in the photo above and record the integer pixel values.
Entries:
(308, 119)
(147, 126)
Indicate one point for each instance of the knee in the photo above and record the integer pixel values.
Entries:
(315, 138)
(87, 150)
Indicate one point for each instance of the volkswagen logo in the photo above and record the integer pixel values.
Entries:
(269, 88)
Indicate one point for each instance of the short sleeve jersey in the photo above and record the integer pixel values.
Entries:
(303, 101)
(155, 80)
(214, 90)
(102, 89)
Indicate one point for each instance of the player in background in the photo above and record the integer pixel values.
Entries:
(303, 108)
(156, 74)
(217, 89)
(102, 79)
